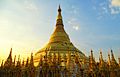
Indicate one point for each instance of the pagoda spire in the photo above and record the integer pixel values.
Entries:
(14, 61)
(19, 61)
(31, 67)
(8, 62)
(92, 57)
(113, 61)
(92, 63)
(31, 60)
(92, 60)
(59, 17)
(27, 62)
(101, 57)
(23, 63)
(109, 62)
(112, 57)
(91, 54)
(10, 55)
(102, 63)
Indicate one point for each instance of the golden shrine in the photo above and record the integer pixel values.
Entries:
(59, 42)
(60, 58)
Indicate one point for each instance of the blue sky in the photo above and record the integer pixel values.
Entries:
(26, 25)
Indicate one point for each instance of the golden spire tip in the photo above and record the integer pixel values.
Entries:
(59, 9)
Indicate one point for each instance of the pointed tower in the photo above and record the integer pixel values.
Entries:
(102, 63)
(92, 63)
(113, 61)
(8, 62)
(31, 60)
(31, 67)
(91, 56)
(92, 60)
(102, 66)
(27, 62)
(19, 62)
(23, 63)
(114, 66)
(59, 41)
(109, 61)
(14, 63)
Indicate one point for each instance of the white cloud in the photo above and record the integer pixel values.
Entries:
(74, 23)
(114, 6)
(115, 3)
(106, 8)
(72, 19)
(76, 27)
(30, 5)
(113, 11)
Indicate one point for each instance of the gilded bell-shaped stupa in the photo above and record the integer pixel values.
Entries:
(59, 42)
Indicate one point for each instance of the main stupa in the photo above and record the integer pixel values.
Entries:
(59, 42)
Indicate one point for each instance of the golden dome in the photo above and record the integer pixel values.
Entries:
(59, 40)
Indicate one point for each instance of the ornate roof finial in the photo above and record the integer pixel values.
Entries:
(14, 60)
(11, 50)
(109, 62)
(27, 62)
(91, 53)
(59, 9)
(31, 60)
(10, 55)
(59, 17)
(101, 59)
(112, 55)
(113, 58)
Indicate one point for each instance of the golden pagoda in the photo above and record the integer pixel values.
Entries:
(59, 42)
(60, 58)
